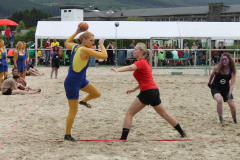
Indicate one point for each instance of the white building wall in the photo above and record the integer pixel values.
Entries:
(71, 15)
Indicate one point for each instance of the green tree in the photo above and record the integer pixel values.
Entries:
(2, 28)
(20, 26)
(135, 19)
(30, 34)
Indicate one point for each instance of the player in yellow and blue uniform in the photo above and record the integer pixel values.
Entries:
(26, 57)
(20, 59)
(3, 62)
(76, 78)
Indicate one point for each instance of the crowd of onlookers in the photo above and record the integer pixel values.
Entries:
(196, 54)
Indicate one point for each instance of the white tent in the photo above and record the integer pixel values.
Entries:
(141, 29)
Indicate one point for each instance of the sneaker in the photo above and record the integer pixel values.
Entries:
(235, 121)
(221, 120)
(85, 104)
(69, 138)
(183, 134)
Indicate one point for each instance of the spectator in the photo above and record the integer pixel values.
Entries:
(47, 52)
(186, 53)
(185, 45)
(10, 87)
(92, 59)
(214, 53)
(12, 39)
(110, 53)
(26, 53)
(132, 45)
(175, 56)
(148, 45)
(7, 35)
(166, 46)
(30, 44)
(22, 83)
(220, 46)
(20, 59)
(203, 58)
(169, 56)
(55, 43)
(194, 51)
(155, 53)
(114, 50)
(55, 59)
(32, 52)
(3, 62)
(32, 70)
(161, 56)
(199, 52)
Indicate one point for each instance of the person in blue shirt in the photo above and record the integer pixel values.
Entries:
(12, 39)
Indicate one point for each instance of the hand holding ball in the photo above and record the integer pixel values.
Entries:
(83, 26)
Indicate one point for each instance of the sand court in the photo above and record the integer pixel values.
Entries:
(40, 131)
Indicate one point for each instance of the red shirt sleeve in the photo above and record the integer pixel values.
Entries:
(138, 64)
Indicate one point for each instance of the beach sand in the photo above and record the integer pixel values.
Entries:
(186, 97)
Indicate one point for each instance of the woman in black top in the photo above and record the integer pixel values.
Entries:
(110, 53)
(222, 74)
(55, 59)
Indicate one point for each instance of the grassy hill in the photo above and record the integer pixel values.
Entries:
(7, 7)
(131, 4)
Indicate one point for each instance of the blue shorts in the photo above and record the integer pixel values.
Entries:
(3, 68)
(72, 87)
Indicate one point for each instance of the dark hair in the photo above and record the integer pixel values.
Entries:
(16, 76)
(55, 49)
(85, 35)
(14, 68)
(231, 63)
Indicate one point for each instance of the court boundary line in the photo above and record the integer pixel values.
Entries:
(4, 141)
(114, 140)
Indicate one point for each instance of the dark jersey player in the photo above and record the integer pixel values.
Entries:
(220, 88)
(149, 93)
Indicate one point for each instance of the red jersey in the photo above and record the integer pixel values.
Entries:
(155, 49)
(7, 33)
(144, 75)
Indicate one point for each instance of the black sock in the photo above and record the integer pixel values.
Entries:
(235, 120)
(178, 128)
(125, 132)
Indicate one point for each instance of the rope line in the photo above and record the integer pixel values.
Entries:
(4, 141)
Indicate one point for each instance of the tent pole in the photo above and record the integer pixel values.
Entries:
(116, 47)
(234, 56)
(210, 56)
(237, 50)
(36, 42)
(151, 44)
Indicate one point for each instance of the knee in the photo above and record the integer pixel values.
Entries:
(219, 101)
(129, 114)
(96, 94)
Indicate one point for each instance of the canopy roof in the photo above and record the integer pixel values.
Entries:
(141, 29)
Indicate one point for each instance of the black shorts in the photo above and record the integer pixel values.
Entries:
(55, 64)
(223, 93)
(8, 92)
(150, 97)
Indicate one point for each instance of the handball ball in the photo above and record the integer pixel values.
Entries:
(84, 26)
